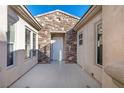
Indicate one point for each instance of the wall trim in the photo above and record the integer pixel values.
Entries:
(23, 12)
(91, 13)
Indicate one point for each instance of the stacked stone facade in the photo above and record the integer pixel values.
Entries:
(71, 46)
(57, 21)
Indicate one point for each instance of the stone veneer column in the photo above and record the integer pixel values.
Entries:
(71, 47)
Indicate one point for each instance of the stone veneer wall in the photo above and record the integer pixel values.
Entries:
(44, 46)
(57, 21)
(71, 47)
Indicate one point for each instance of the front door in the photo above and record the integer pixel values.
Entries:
(57, 49)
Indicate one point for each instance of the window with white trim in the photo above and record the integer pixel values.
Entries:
(99, 48)
(80, 39)
(27, 43)
(34, 44)
(10, 41)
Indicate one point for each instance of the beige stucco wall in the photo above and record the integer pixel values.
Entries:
(113, 39)
(86, 53)
(9, 74)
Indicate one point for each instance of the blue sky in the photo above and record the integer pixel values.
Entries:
(76, 10)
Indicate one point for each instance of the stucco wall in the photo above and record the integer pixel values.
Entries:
(9, 74)
(3, 29)
(113, 26)
(86, 53)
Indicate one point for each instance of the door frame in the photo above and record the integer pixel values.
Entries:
(57, 35)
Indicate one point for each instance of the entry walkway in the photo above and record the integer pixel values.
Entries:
(56, 76)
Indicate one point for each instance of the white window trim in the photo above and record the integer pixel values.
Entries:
(31, 42)
(14, 48)
(96, 63)
(26, 27)
(36, 33)
(35, 44)
(80, 39)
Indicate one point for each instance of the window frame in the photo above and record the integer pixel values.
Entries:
(34, 50)
(10, 22)
(26, 45)
(80, 38)
(96, 31)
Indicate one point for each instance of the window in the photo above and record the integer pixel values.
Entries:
(27, 43)
(10, 42)
(99, 43)
(80, 39)
(34, 44)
